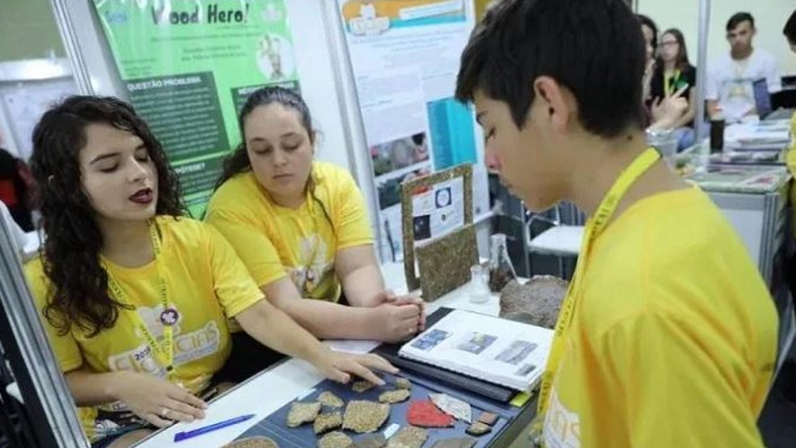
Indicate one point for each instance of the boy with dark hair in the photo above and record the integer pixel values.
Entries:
(790, 31)
(668, 335)
(730, 78)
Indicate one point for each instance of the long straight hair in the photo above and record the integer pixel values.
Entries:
(681, 61)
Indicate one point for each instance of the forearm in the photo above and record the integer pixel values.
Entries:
(328, 320)
(92, 389)
(363, 284)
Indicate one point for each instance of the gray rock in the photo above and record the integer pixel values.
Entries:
(537, 302)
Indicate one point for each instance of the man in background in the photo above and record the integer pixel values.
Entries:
(730, 90)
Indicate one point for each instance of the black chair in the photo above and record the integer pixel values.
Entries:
(785, 99)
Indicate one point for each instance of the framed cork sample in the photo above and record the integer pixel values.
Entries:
(438, 231)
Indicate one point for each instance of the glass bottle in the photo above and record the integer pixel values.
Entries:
(501, 271)
(479, 285)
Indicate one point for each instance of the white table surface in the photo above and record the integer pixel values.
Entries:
(269, 391)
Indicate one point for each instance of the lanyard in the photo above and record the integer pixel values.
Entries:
(163, 351)
(670, 83)
(594, 228)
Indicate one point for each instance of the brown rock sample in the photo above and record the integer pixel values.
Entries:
(365, 416)
(301, 413)
(335, 440)
(327, 422)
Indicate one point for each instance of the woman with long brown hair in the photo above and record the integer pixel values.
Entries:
(301, 227)
(673, 71)
(135, 297)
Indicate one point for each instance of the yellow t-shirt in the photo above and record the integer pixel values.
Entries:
(275, 241)
(674, 339)
(206, 283)
(791, 158)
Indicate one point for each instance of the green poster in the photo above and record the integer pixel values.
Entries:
(189, 66)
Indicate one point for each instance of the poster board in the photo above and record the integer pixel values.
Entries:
(27, 89)
(404, 58)
(188, 67)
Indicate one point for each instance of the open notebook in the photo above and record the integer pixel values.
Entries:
(491, 349)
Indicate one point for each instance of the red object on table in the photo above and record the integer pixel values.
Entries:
(426, 415)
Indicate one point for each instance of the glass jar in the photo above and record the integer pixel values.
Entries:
(479, 285)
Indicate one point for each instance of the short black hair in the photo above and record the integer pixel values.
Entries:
(649, 23)
(790, 29)
(739, 18)
(594, 48)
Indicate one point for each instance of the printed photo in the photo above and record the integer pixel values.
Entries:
(443, 197)
(515, 353)
(398, 154)
(390, 190)
(430, 339)
(476, 343)
(422, 227)
(274, 56)
(526, 370)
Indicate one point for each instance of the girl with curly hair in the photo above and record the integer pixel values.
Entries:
(135, 298)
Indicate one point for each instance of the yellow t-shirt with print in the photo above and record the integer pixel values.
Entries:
(275, 241)
(674, 339)
(206, 284)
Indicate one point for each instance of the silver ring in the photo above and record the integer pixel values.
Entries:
(165, 413)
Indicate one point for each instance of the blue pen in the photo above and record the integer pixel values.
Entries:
(180, 436)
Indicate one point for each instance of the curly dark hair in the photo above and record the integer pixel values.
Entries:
(79, 296)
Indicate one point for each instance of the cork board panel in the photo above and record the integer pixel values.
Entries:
(445, 263)
(417, 186)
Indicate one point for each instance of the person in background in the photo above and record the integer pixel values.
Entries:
(134, 297)
(729, 90)
(17, 189)
(673, 71)
(668, 336)
(301, 228)
(650, 32)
